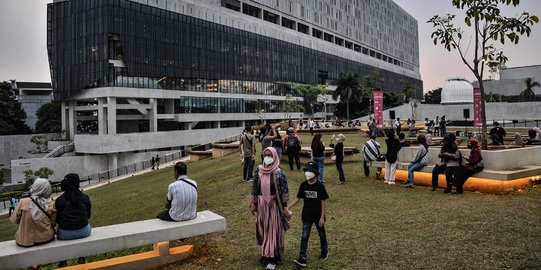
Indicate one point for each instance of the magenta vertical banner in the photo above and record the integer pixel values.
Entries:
(477, 120)
(378, 107)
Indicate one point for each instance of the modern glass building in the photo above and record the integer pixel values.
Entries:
(183, 72)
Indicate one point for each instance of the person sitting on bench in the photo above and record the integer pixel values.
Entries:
(181, 197)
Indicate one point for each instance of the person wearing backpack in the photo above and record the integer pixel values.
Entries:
(292, 146)
(420, 159)
(247, 153)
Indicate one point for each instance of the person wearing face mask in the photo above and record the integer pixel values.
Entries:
(473, 166)
(315, 195)
(268, 201)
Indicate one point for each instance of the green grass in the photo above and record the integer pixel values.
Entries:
(369, 225)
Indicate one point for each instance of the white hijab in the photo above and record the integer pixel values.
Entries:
(41, 194)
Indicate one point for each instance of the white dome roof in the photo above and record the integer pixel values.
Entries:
(457, 90)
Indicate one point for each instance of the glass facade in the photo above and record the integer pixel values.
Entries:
(228, 105)
(122, 43)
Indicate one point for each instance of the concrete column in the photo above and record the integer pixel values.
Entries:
(111, 115)
(72, 120)
(102, 118)
(64, 119)
(153, 115)
(113, 164)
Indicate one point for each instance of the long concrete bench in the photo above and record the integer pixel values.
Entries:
(220, 150)
(117, 237)
(196, 155)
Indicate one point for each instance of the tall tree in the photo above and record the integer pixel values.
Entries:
(49, 115)
(408, 89)
(488, 26)
(528, 94)
(12, 115)
(309, 93)
(347, 89)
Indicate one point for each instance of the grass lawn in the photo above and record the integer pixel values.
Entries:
(369, 225)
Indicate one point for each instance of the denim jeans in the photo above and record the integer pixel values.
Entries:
(62, 234)
(411, 168)
(248, 168)
(320, 161)
(306, 228)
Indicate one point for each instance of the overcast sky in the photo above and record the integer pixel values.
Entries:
(23, 35)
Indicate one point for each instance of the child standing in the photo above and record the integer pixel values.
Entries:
(315, 195)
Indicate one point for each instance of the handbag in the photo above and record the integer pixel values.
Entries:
(333, 157)
(286, 219)
(479, 165)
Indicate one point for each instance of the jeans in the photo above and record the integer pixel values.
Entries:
(411, 168)
(340, 170)
(306, 228)
(62, 234)
(294, 154)
(248, 168)
(320, 161)
(278, 152)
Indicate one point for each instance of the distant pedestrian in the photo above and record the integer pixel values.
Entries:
(518, 140)
(315, 197)
(398, 125)
(267, 135)
(318, 155)
(419, 161)
(428, 137)
(292, 146)
(157, 160)
(247, 153)
(443, 126)
(427, 125)
(311, 126)
(12, 204)
(437, 126)
(339, 157)
(497, 134)
(153, 163)
(277, 142)
(372, 152)
(391, 158)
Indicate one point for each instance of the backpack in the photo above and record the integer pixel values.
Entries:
(291, 141)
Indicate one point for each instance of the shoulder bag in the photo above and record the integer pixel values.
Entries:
(44, 212)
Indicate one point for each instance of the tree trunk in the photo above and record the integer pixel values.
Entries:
(483, 116)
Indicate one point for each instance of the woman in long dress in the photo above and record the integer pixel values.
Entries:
(265, 202)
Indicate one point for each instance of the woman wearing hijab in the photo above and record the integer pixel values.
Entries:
(269, 196)
(35, 216)
(73, 211)
(473, 166)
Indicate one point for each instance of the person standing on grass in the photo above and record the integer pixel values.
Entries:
(292, 146)
(473, 166)
(153, 163)
(73, 212)
(315, 197)
(391, 158)
(269, 196)
(450, 156)
(420, 159)
(181, 196)
(372, 152)
(318, 155)
(267, 136)
(247, 153)
(339, 156)
(277, 142)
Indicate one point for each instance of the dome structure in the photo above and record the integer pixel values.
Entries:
(457, 90)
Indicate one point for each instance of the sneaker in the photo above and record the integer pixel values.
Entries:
(386, 182)
(249, 180)
(391, 183)
(301, 261)
(324, 255)
(271, 266)
(434, 188)
(341, 183)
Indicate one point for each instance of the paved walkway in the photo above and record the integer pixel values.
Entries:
(5, 211)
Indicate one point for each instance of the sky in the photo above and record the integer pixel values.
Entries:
(23, 41)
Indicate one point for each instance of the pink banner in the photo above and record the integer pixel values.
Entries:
(378, 107)
(477, 120)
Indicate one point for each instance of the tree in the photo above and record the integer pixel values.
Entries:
(40, 141)
(528, 94)
(408, 89)
(347, 89)
(488, 26)
(30, 176)
(49, 115)
(12, 115)
(309, 93)
(433, 96)
(291, 105)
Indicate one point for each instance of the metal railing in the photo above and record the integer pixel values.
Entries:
(61, 150)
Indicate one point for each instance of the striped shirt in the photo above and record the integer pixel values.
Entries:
(183, 199)
(371, 150)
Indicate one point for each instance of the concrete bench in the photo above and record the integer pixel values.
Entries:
(196, 155)
(117, 237)
(220, 150)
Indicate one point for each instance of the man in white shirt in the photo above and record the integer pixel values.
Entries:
(181, 197)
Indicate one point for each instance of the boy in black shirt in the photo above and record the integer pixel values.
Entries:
(315, 195)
